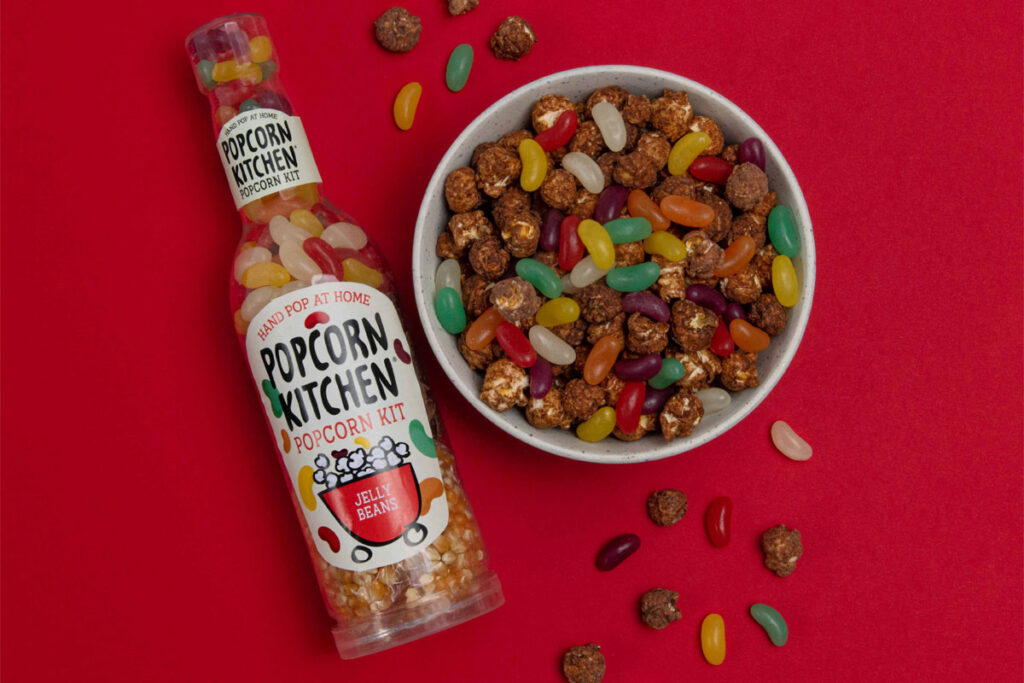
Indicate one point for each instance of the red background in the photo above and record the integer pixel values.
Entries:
(147, 534)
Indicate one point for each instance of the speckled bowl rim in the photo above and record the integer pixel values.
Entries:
(564, 442)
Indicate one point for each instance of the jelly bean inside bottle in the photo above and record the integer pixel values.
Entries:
(559, 134)
(642, 206)
(687, 212)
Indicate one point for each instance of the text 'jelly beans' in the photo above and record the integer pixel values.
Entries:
(688, 212)
(686, 149)
(633, 278)
(515, 345)
(642, 206)
(784, 282)
(782, 231)
(711, 170)
(629, 406)
(622, 230)
(648, 304)
(609, 122)
(558, 312)
(639, 369)
(459, 64)
(616, 550)
(482, 331)
(598, 243)
(586, 171)
(570, 248)
(560, 133)
(772, 623)
(718, 521)
(789, 442)
(714, 399)
(551, 347)
(541, 276)
(609, 205)
(748, 337)
(599, 426)
(601, 359)
(406, 101)
(712, 639)
(667, 245)
(752, 152)
(535, 165)
(541, 378)
(670, 372)
(450, 312)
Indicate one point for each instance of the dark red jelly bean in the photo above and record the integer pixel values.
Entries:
(273, 100)
(260, 234)
(718, 521)
(541, 378)
(560, 133)
(570, 246)
(610, 203)
(402, 354)
(650, 305)
(722, 343)
(733, 311)
(515, 345)
(655, 399)
(629, 406)
(711, 169)
(616, 550)
(330, 538)
(551, 233)
(709, 298)
(639, 369)
(752, 152)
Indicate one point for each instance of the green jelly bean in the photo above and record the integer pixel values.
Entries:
(275, 397)
(205, 69)
(772, 622)
(268, 69)
(423, 443)
(541, 276)
(623, 230)
(459, 64)
(449, 310)
(782, 231)
(633, 278)
(248, 105)
(671, 372)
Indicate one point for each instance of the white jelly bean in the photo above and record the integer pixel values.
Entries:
(249, 257)
(567, 286)
(297, 284)
(788, 443)
(714, 399)
(586, 273)
(449, 274)
(550, 346)
(344, 236)
(322, 277)
(585, 169)
(609, 122)
(282, 230)
(256, 300)
(297, 261)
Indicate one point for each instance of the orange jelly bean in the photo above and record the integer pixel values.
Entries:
(482, 331)
(687, 212)
(748, 337)
(737, 256)
(601, 359)
(642, 206)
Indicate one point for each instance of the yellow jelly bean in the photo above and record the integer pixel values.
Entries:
(307, 220)
(260, 48)
(357, 271)
(535, 164)
(306, 487)
(784, 281)
(597, 241)
(282, 203)
(665, 244)
(599, 426)
(686, 149)
(250, 73)
(363, 441)
(558, 312)
(405, 104)
(265, 273)
(225, 71)
(712, 639)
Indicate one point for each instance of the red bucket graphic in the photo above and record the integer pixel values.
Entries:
(378, 509)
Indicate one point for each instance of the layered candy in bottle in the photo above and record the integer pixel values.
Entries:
(394, 542)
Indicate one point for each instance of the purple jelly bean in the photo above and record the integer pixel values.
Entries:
(732, 312)
(705, 296)
(640, 369)
(610, 203)
(541, 378)
(616, 550)
(552, 230)
(646, 303)
(752, 152)
(273, 100)
(654, 399)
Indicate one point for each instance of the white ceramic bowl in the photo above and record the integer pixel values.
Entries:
(513, 112)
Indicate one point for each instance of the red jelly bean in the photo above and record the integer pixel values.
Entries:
(560, 133)
(722, 343)
(323, 255)
(260, 234)
(515, 345)
(629, 406)
(616, 550)
(719, 521)
(711, 169)
(330, 538)
(570, 246)
(540, 379)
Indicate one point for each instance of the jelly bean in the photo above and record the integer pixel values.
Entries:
(567, 286)
(307, 220)
(748, 337)
(686, 149)
(324, 256)
(601, 359)
(205, 71)
(667, 245)
(357, 271)
(260, 234)
(714, 399)
(670, 372)
(224, 114)
(305, 486)
(232, 93)
(570, 248)
(609, 204)
(249, 257)
(598, 243)
(642, 206)
(406, 101)
(344, 236)
(733, 311)
(789, 443)
(541, 379)
(648, 304)
(623, 230)
(558, 312)
(297, 261)
(282, 231)
(265, 273)
(560, 133)
(784, 281)
(633, 278)
(613, 128)
(656, 398)
(271, 99)
(737, 256)
(535, 165)
(772, 623)
(586, 273)
(711, 170)
(250, 74)
(752, 151)
(248, 105)
(708, 297)
(260, 48)
(712, 639)
(718, 521)
(255, 301)
(722, 343)
(551, 347)
(782, 231)
(639, 369)
(292, 286)
(282, 203)
(459, 64)
(515, 345)
(225, 71)
(448, 274)
(617, 549)
(687, 212)
(449, 310)
(541, 276)
(629, 405)
(421, 440)
(599, 426)
(481, 332)
(585, 169)
(550, 232)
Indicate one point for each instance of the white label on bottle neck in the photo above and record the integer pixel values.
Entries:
(346, 409)
(265, 151)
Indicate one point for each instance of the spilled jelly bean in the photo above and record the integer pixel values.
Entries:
(421, 440)
(449, 310)
(639, 369)
(748, 337)
(670, 372)
(430, 490)
(648, 304)
(599, 426)
(459, 64)
(601, 359)
(722, 343)
(560, 133)
(737, 255)
(318, 318)
(708, 297)
(558, 311)
(481, 332)
(275, 397)
(667, 245)
(784, 281)
(789, 442)
(286, 442)
(622, 230)
(535, 165)
(656, 398)
(598, 243)
(733, 311)
(550, 346)
(265, 273)
(305, 485)
(406, 101)
(609, 121)
(448, 274)
(712, 639)
(711, 170)
(609, 205)
(633, 278)
(570, 248)
(541, 276)
(686, 149)
(772, 623)
(357, 271)
(752, 152)
(642, 206)
(402, 354)
(330, 538)
(586, 272)
(714, 399)
(718, 521)
(616, 550)
(782, 231)
(515, 345)
(550, 232)
(687, 212)
(541, 378)
(629, 406)
(585, 169)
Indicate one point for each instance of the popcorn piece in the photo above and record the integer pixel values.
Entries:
(516, 299)
(548, 109)
(571, 333)
(460, 190)
(598, 303)
(522, 233)
(692, 326)
(583, 664)
(658, 608)
(648, 424)
(782, 547)
(547, 412)
(489, 258)
(586, 202)
(644, 335)
(559, 189)
(629, 254)
(671, 113)
(457, 7)
(655, 146)
(701, 368)
(679, 185)
(446, 247)
(703, 256)
(504, 386)
(478, 359)
(666, 507)
(476, 295)
(743, 287)
(397, 30)
(719, 228)
(749, 224)
(765, 206)
(467, 228)
(763, 264)
(513, 40)
(708, 125)
(681, 414)
(613, 386)
(636, 170)
(614, 326)
(581, 400)
(767, 314)
(637, 110)
(614, 94)
(587, 139)
(747, 185)
(497, 168)
(739, 371)
(510, 141)
(671, 282)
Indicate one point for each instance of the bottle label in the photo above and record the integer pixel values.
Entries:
(265, 151)
(346, 409)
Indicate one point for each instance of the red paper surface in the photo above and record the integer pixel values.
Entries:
(147, 534)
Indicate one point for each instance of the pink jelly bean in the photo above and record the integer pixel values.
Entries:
(709, 298)
(610, 203)
(647, 304)
(551, 232)
(639, 369)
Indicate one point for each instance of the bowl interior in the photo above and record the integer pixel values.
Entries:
(513, 112)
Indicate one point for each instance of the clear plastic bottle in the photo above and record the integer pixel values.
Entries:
(394, 542)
